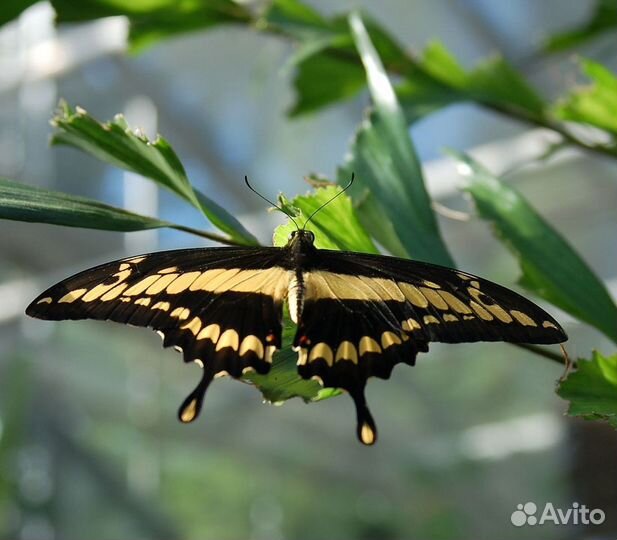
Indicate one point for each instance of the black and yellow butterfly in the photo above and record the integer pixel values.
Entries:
(357, 315)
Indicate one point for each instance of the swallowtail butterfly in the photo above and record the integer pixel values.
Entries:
(357, 315)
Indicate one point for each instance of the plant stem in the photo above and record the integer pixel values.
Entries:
(541, 351)
(210, 236)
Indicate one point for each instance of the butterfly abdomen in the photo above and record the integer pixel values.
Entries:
(295, 295)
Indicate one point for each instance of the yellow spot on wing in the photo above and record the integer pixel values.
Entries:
(549, 324)
(448, 317)
(252, 344)
(114, 293)
(322, 350)
(160, 284)
(480, 311)
(101, 288)
(229, 338)
(269, 352)
(163, 306)
(522, 318)
(141, 285)
(46, 300)
(368, 345)
(409, 325)
(124, 266)
(431, 284)
(367, 434)
(302, 357)
(137, 260)
(495, 309)
(321, 284)
(168, 270)
(273, 281)
(413, 295)
(182, 283)
(434, 298)
(194, 326)
(189, 412)
(429, 319)
(70, 297)
(388, 339)
(181, 313)
(499, 312)
(346, 351)
(145, 301)
(211, 332)
(454, 303)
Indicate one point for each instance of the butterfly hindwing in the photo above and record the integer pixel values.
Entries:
(362, 314)
(222, 307)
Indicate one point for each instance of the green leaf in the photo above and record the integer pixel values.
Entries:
(282, 382)
(11, 10)
(322, 80)
(592, 389)
(603, 18)
(385, 163)
(327, 65)
(595, 104)
(20, 202)
(153, 20)
(114, 142)
(551, 268)
(336, 225)
(294, 18)
(493, 82)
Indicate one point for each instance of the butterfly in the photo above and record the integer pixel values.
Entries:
(357, 315)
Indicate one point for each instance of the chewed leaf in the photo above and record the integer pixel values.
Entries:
(336, 225)
(592, 389)
(594, 104)
(115, 143)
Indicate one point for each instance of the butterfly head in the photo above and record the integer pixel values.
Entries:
(301, 239)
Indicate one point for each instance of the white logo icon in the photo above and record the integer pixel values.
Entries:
(577, 514)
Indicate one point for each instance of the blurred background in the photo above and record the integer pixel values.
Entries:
(89, 442)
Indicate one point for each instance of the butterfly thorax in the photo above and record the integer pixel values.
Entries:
(301, 249)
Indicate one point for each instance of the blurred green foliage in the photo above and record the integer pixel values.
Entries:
(381, 154)
(334, 60)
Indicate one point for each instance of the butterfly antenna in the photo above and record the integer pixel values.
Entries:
(246, 181)
(330, 200)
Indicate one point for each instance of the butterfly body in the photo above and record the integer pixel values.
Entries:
(357, 315)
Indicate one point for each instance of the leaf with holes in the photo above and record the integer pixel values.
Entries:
(115, 143)
(594, 104)
(592, 389)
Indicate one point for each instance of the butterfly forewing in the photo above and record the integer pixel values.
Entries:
(222, 307)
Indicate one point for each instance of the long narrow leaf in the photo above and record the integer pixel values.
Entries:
(152, 21)
(551, 268)
(20, 202)
(114, 142)
(384, 161)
